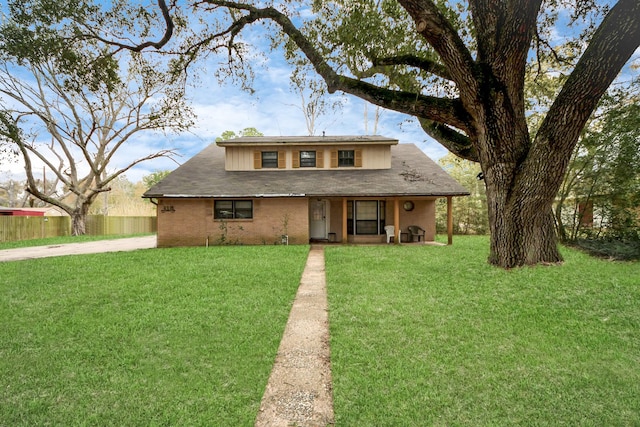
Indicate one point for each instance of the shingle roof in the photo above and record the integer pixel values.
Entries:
(412, 173)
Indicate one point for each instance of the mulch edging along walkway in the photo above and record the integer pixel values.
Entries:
(299, 390)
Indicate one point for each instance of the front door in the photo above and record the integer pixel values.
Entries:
(318, 219)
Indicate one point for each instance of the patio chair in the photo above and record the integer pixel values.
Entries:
(391, 232)
(416, 231)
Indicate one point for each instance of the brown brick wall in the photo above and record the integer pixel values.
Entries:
(189, 222)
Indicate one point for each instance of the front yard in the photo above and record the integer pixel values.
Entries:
(419, 336)
(434, 336)
(151, 337)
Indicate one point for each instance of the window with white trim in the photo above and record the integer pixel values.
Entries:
(233, 209)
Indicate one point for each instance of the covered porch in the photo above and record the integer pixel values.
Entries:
(363, 219)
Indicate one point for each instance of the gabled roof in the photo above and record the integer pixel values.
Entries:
(412, 173)
(308, 140)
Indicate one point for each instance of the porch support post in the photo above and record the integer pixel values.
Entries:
(344, 220)
(396, 220)
(449, 220)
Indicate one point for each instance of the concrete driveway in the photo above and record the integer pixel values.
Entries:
(115, 245)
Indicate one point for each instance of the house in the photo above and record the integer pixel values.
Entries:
(266, 190)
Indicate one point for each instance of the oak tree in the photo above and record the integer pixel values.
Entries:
(78, 134)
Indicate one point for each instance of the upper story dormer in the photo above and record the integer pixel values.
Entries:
(307, 152)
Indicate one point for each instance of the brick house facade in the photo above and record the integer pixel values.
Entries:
(257, 190)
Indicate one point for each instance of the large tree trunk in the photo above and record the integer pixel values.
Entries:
(520, 188)
(521, 233)
(79, 221)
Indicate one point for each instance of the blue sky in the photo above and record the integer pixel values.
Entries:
(273, 109)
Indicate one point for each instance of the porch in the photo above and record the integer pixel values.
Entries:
(362, 220)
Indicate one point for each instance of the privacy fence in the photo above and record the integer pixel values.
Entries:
(14, 228)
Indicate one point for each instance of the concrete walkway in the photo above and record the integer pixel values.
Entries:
(115, 245)
(299, 391)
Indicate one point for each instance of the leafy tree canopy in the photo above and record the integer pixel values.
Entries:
(229, 134)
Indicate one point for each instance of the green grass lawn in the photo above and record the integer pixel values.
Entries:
(435, 336)
(420, 336)
(153, 337)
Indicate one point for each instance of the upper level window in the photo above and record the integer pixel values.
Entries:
(269, 159)
(307, 159)
(233, 209)
(346, 158)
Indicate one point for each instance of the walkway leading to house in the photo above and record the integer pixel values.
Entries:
(299, 390)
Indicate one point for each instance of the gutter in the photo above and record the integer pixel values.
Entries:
(223, 196)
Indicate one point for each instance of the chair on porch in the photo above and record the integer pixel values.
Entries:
(416, 231)
(391, 232)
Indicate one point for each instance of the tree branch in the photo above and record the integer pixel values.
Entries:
(456, 142)
(441, 110)
(168, 33)
(426, 65)
(440, 34)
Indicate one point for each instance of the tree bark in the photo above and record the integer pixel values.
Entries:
(522, 232)
(78, 222)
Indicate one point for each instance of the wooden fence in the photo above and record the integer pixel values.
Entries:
(13, 228)
(100, 225)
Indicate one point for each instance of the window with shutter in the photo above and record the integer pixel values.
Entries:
(307, 159)
(358, 159)
(269, 159)
(320, 159)
(295, 160)
(334, 159)
(345, 158)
